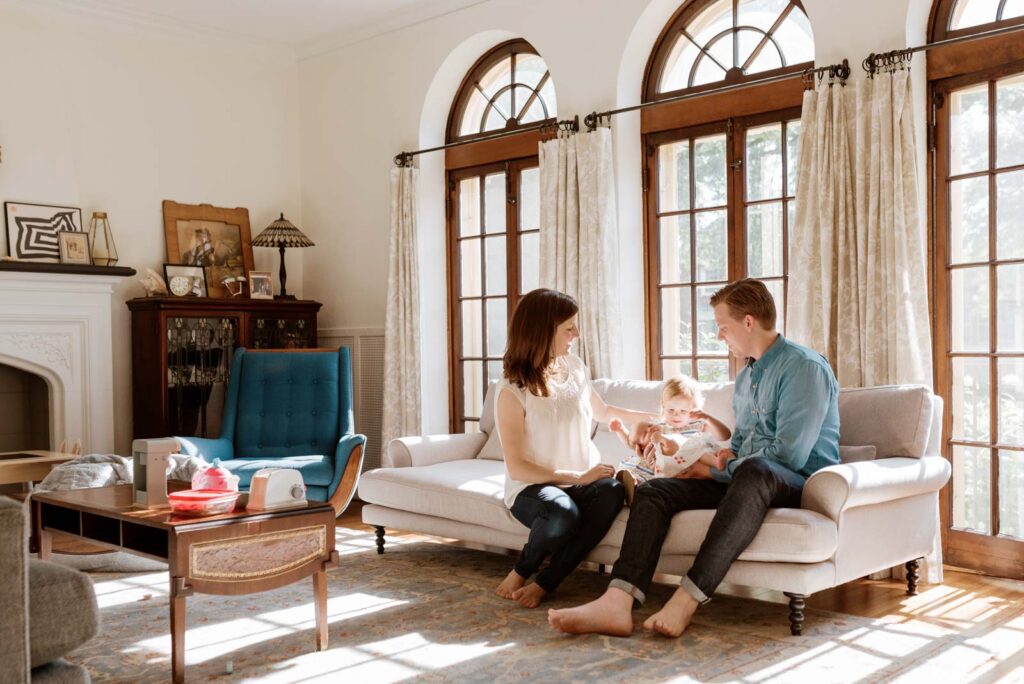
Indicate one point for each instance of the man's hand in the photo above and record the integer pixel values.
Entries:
(723, 456)
(698, 471)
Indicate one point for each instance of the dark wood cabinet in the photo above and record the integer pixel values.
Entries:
(182, 349)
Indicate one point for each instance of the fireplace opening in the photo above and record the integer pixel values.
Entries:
(24, 410)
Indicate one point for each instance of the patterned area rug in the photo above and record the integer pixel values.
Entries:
(426, 612)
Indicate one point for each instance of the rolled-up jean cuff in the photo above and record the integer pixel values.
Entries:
(693, 590)
(623, 585)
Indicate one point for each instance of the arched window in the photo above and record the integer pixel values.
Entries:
(978, 167)
(720, 174)
(711, 43)
(954, 18)
(493, 215)
(507, 88)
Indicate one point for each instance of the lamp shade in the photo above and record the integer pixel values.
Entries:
(281, 232)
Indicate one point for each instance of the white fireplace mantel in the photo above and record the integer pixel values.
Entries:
(57, 326)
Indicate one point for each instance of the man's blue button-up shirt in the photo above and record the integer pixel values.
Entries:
(786, 405)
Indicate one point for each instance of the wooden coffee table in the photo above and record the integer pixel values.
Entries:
(29, 466)
(228, 554)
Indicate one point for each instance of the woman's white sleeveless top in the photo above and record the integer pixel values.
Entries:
(557, 426)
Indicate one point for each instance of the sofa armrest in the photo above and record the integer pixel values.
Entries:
(207, 449)
(834, 489)
(14, 655)
(403, 452)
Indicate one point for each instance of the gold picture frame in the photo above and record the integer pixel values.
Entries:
(214, 237)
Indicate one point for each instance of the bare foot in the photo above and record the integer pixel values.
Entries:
(529, 596)
(610, 614)
(512, 583)
(674, 617)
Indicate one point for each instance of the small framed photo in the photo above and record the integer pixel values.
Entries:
(185, 281)
(74, 247)
(260, 285)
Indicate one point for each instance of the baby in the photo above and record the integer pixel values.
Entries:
(681, 437)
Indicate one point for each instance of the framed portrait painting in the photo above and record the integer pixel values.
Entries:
(213, 237)
(33, 230)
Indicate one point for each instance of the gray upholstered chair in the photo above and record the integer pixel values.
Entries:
(48, 609)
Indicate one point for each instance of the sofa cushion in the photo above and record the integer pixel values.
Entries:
(62, 610)
(471, 490)
(315, 470)
(895, 419)
(492, 448)
(855, 454)
(790, 535)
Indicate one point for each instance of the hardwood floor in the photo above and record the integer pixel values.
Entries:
(989, 609)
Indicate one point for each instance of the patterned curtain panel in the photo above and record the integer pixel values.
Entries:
(858, 283)
(402, 415)
(579, 238)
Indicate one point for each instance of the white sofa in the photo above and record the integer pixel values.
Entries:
(855, 518)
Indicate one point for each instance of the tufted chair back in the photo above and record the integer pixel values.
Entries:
(288, 403)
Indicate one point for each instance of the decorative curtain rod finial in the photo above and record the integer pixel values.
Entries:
(403, 159)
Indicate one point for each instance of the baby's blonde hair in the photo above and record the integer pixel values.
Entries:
(682, 386)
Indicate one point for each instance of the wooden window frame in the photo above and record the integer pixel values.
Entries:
(951, 68)
(736, 226)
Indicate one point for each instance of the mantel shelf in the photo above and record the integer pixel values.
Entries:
(71, 269)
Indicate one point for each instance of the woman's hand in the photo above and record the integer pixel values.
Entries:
(638, 434)
(598, 472)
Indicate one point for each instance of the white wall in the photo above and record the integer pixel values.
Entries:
(109, 115)
(364, 103)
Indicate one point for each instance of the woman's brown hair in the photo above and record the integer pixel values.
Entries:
(533, 326)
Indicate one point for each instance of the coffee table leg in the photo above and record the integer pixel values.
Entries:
(320, 601)
(45, 544)
(177, 600)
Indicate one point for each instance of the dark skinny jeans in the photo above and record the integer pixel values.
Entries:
(757, 485)
(565, 524)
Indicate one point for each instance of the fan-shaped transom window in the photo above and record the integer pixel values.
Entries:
(509, 87)
(712, 41)
(971, 13)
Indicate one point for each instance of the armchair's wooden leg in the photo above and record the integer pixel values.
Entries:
(601, 569)
(380, 538)
(912, 576)
(796, 613)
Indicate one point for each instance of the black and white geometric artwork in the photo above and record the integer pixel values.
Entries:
(32, 229)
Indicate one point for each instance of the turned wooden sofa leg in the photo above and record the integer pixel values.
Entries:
(796, 613)
(380, 538)
(912, 576)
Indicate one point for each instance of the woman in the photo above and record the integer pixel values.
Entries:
(554, 484)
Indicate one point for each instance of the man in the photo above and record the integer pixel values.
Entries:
(787, 426)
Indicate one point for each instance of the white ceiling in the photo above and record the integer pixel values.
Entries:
(304, 26)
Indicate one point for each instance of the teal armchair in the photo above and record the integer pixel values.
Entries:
(290, 409)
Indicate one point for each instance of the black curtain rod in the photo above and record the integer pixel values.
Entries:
(873, 62)
(835, 71)
(840, 71)
(573, 124)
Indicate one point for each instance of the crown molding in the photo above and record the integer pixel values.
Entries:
(395, 21)
(103, 14)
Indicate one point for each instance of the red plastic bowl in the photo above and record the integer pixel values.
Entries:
(202, 501)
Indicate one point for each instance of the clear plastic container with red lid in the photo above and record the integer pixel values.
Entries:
(202, 501)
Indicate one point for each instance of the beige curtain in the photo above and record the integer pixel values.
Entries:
(402, 415)
(579, 238)
(858, 283)
(823, 279)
